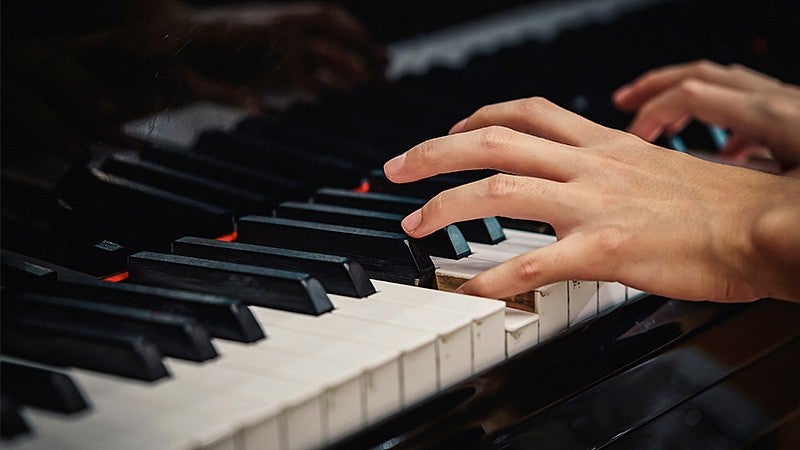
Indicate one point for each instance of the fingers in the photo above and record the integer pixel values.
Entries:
(538, 117)
(499, 195)
(632, 96)
(570, 258)
(491, 147)
(707, 102)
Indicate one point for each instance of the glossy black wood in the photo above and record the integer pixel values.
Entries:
(224, 317)
(447, 242)
(338, 275)
(384, 255)
(40, 387)
(484, 231)
(128, 355)
(272, 288)
(176, 335)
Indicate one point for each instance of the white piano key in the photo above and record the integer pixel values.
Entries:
(417, 347)
(453, 343)
(582, 298)
(522, 330)
(609, 295)
(550, 302)
(487, 316)
(380, 366)
(344, 408)
(632, 294)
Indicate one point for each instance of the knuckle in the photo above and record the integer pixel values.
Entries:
(610, 242)
(705, 69)
(529, 268)
(424, 154)
(500, 186)
(494, 138)
(436, 206)
(534, 105)
(688, 88)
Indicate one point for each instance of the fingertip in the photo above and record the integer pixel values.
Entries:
(394, 166)
(458, 127)
(622, 94)
(412, 221)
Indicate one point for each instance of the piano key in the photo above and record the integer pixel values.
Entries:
(338, 275)
(129, 167)
(12, 423)
(176, 335)
(447, 242)
(426, 188)
(96, 258)
(40, 387)
(380, 367)
(279, 157)
(243, 177)
(128, 355)
(292, 291)
(522, 331)
(134, 214)
(20, 273)
(387, 256)
(344, 399)
(416, 347)
(487, 316)
(223, 317)
(487, 230)
(453, 343)
(609, 295)
(526, 225)
(583, 301)
(550, 302)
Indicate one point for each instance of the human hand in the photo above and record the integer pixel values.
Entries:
(762, 113)
(623, 209)
(306, 45)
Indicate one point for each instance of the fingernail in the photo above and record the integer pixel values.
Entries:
(621, 93)
(458, 126)
(394, 165)
(459, 290)
(412, 221)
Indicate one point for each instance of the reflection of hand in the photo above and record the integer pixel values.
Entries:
(760, 111)
(308, 45)
(624, 210)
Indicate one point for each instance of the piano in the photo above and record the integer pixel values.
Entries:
(215, 279)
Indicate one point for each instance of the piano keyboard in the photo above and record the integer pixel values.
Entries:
(289, 331)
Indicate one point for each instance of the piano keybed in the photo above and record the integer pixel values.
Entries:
(226, 356)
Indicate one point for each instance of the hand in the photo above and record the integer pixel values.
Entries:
(762, 113)
(623, 209)
(307, 45)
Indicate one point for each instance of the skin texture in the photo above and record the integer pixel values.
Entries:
(624, 209)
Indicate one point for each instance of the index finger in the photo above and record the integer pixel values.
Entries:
(492, 147)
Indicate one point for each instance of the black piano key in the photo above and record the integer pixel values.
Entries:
(96, 258)
(271, 288)
(134, 214)
(243, 177)
(224, 317)
(338, 275)
(17, 273)
(176, 335)
(384, 255)
(527, 225)
(179, 182)
(484, 231)
(315, 169)
(12, 423)
(41, 387)
(127, 355)
(447, 242)
(426, 188)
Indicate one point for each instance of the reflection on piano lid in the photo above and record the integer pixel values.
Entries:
(235, 329)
